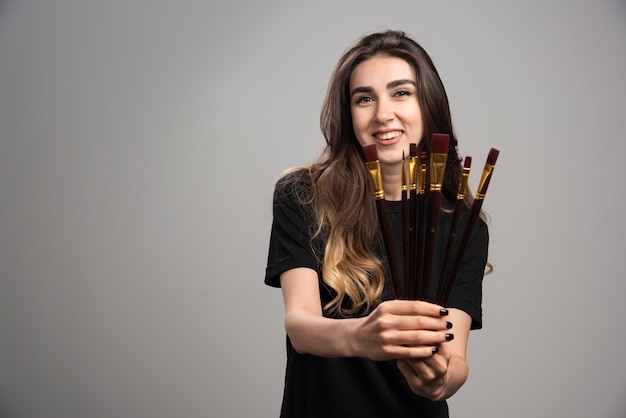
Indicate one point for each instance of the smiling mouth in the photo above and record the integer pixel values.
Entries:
(385, 136)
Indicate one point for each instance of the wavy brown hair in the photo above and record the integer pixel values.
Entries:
(340, 194)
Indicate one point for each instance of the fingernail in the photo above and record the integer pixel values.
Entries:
(449, 337)
(448, 324)
(443, 312)
(435, 350)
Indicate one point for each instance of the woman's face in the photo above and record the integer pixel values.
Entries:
(384, 107)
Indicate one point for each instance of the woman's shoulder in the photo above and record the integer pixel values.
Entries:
(294, 174)
(293, 196)
(295, 183)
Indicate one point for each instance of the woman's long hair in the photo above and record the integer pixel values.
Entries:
(341, 196)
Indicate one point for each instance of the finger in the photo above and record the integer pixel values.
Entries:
(420, 370)
(427, 371)
(437, 364)
(410, 352)
(420, 322)
(429, 368)
(444, 352)
(413, 307)
(415, 337)
(411, 370)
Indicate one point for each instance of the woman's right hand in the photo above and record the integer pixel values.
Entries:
(400, 329)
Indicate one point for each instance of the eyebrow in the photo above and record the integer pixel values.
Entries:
(390, 85)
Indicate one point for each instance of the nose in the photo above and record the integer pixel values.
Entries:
(384, 111)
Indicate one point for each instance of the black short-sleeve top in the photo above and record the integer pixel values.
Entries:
(347, 387)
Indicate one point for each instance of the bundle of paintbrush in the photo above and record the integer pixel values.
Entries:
(422, 181)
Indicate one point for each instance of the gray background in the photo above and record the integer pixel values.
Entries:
(140, 141)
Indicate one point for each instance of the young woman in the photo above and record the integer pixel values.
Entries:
(353, 349)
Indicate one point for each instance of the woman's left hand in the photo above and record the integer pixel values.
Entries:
(426, 377)
(439, 376)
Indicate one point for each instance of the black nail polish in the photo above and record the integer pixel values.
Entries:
(443, 312)
(435, 350)
(449, 337)
(448, 324)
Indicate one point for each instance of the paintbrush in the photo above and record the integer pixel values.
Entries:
(376, 182)
(438, 158)
(421, 216)
(458, 209)
(413, 168)
(471, 220)
(406, 227)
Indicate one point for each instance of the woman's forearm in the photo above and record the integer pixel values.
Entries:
(320, 336)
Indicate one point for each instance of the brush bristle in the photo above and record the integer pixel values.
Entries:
(468, 162)
(370, 153)
(493, 156)
(439, 143)
(413, 150)
(424, 158)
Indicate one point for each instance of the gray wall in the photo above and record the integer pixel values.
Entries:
(139, 144)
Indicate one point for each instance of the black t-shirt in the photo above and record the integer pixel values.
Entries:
(358, 387)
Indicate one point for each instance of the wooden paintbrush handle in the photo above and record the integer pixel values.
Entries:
(469, 227)
(431, 234)
(458, 209)
(385, 226)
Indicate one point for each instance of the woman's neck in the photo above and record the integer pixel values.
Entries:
(392, 181)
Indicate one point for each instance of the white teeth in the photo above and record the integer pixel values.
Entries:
(388, 135)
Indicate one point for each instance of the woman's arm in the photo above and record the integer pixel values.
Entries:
(443, 374)
(398, 329)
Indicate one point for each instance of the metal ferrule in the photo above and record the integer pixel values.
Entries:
(463, 183)
(484, 182)
(376, 179)
(413, 172)
(405, 180)
(437, 168)
(422, 178)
